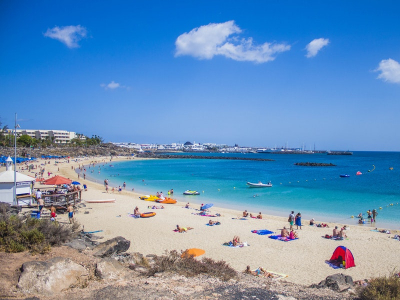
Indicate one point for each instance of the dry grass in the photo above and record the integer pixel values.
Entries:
(190, 266)
(381, 288)
(18, 234)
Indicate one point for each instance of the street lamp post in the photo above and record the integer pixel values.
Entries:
(15, 202)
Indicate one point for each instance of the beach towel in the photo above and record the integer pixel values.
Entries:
(231, 245)
(336, 238)
(262, 232)
(239, 219)
(332, 265)
(280, 238)
(276, 276)
(89, 232)
(133, 216)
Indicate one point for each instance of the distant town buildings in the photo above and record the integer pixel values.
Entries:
(57, 136)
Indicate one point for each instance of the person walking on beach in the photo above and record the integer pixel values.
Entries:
(298, 220)
(53, 212)
(291, 219)
(70, 211)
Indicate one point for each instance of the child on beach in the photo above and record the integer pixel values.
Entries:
(70, 211)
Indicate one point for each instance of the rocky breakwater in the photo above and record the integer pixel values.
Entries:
(314, 164)
(172, 156)
(107, 149)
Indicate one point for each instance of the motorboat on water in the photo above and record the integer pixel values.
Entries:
(188, 192)
(259, 184)
(344, 175)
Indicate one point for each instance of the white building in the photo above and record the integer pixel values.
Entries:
(59, 136)
(24, 185)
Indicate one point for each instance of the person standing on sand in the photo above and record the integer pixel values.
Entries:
(291, 219)
(124, 185)
(70, 211)
(298, 220)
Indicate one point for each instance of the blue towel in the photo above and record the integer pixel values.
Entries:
(262, 232)
(332, 265)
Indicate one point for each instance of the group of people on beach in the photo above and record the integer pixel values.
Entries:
(371, 215)
(246, 214)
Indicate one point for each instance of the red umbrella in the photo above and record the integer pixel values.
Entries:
(57, 180)
(39, 179)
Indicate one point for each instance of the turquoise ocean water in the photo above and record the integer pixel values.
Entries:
(316, 192)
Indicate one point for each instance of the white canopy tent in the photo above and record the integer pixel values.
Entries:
(24, 184)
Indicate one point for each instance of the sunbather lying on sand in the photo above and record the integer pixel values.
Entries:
(214, 222)
(183, 229)
(156, 207)
(259, 272)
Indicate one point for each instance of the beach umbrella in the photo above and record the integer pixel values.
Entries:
(57, 180)
(76, 183)
(207, 206)
(192, 252)
(39, 179)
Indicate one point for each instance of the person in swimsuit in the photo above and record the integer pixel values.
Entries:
(40, 204)
(259, 215)
(293, 235)
(53, 211)
(284, 232)
(183, 229)
(70, 211)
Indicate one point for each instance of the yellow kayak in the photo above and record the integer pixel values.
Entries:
(149, 198)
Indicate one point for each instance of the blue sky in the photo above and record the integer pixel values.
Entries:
(255, 73)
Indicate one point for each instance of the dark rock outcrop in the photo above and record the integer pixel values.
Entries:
(336, 282)
(314, 164)
(115, 245)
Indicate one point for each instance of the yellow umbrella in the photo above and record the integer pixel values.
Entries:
(192, 252)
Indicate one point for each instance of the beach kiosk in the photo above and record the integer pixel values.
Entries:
(24, 185)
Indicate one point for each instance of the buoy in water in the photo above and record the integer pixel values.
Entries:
(352, 217)
(380, 207)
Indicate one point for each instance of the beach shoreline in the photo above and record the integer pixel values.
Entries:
(303, 260)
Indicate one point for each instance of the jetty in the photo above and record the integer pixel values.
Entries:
(314, 164)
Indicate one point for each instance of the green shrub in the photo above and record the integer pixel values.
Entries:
(190, 266)
(381, 288)
(17, 234)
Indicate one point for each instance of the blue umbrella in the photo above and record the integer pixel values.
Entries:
(75, 183)
(207, 206)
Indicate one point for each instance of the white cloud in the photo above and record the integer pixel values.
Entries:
(390, 70)
(69, 35)
(213, 39)
(315, 45)
(113, 85)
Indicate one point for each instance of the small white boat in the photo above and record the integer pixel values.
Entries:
(259, 184)
(101, 201)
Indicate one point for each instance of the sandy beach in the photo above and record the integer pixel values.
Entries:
(303, 260)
